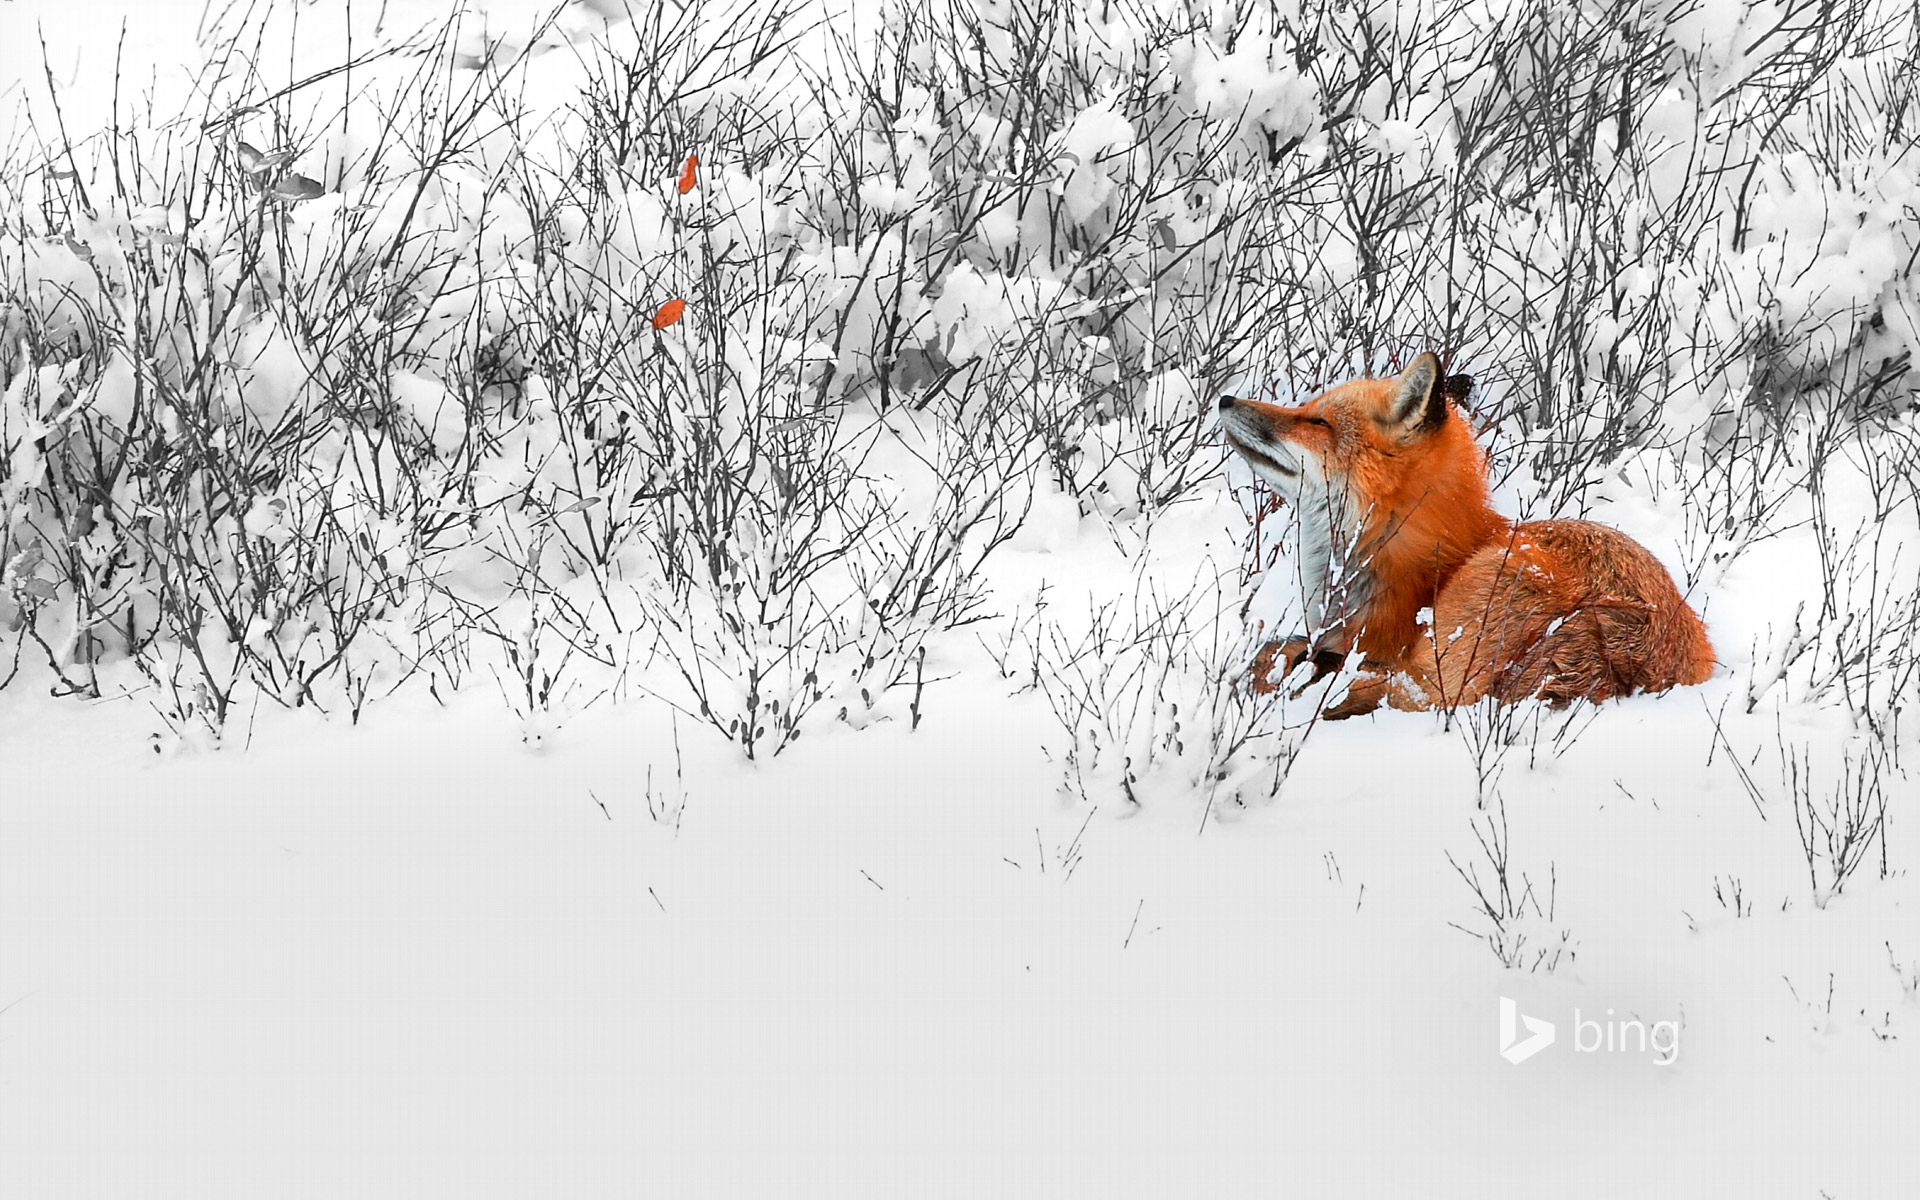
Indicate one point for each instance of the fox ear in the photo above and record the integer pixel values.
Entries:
(1420, 401)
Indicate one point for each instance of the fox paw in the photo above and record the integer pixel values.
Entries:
(1275, 662)
(1363, 696)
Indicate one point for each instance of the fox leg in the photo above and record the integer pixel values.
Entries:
(1278, 660)
(1466, 647)
(1501, 629)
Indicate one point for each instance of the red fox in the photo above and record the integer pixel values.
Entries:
(1391, 492)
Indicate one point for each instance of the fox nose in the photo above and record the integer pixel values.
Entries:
(1226, 402)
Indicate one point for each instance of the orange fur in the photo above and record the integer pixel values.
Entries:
(1387, 471)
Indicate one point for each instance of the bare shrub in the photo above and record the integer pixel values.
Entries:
(1508, 913)
(1841, 827)
(1153, 698)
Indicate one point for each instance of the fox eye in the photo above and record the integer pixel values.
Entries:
(1322, 422)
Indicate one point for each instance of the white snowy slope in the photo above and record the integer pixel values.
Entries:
(421, 959)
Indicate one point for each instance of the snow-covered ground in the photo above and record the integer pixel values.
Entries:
(454, 950)
(421, 959)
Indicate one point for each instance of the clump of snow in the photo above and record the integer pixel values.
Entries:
(1251, 85)
(267, 518)
(1091, 148)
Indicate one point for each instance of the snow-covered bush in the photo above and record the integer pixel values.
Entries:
(1072, 195)
(1152, 694)
(365, 373)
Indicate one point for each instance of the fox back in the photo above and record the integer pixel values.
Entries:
(1391, 492)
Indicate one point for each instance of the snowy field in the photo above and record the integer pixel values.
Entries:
(465, 735)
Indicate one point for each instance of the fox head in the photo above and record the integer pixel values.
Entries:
(1347, 435)
(1364, 465)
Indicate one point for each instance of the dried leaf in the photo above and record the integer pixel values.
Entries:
(251, 161)
(669, 313)
(688, 176)
(294, 188)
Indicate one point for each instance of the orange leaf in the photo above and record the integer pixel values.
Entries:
(687, 177)
(669, 313)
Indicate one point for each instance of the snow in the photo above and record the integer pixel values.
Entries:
(1077, 920)
(1090, 149)
(417, 958)
(1247, 84)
